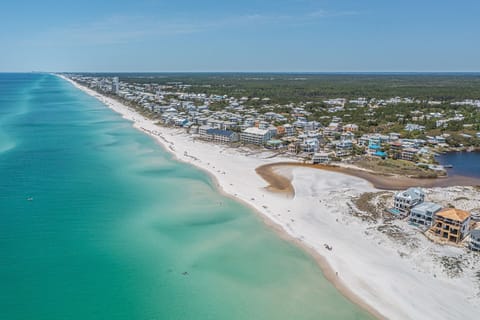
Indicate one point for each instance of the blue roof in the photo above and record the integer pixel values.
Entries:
(380, 154)
(218, 132)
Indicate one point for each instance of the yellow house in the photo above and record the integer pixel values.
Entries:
(451, 224)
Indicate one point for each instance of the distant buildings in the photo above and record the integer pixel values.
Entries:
(451, 224)
(332, 129)
(289, 130)
(296, 125)
(115, 85)
(350, 128)
(408, 154)
(414, 127)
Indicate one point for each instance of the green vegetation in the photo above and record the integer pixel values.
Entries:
(399, 167)
(291, 87)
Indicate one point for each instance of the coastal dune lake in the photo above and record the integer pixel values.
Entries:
(466, 164)
(97, 221)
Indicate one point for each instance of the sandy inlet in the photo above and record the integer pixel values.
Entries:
(379, 181)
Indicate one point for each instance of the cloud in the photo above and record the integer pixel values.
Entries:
(318, 14)
(118, 29)
(325, 13)
(291, 18)
(113, 30)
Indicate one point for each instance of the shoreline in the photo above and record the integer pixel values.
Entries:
(288, 191)
(368, 274)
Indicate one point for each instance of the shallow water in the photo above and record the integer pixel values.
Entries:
(117, 229)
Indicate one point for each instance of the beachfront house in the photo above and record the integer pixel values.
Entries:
(343, 148)
(475, 240)
(321, 158)
(404, 201)
(310, 145)
(293, 147)
(274, 144)
(423, 214)
(451, 224)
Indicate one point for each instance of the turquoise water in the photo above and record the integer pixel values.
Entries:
(119, 230)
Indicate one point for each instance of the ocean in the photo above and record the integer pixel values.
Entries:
(97, 221)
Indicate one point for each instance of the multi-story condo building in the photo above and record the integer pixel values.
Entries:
(202, 131)
(256, 136)
(217, 135)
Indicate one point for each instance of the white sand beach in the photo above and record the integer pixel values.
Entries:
(396, 281)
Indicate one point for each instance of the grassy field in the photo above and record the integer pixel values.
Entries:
(399, 167)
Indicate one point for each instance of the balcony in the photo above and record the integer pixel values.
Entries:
(453, 239)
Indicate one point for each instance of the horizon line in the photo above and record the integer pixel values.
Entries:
(251, 72)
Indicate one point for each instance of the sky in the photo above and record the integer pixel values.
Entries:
(243, 35)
